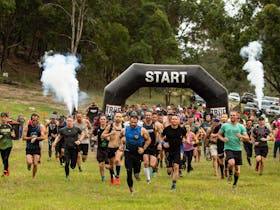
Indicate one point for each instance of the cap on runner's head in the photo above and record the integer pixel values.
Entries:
(217, 120)
(4, 114)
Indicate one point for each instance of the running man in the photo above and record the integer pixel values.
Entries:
(248, 146)
(86, 128)
(6, 142)
(102, 155)
(233, 133)
(150, 154)
(172, 138)
(136, 140)
(52, 128)
(70, 133)
(113, 132)
(260, 135)
(33, 134)
(59, 148)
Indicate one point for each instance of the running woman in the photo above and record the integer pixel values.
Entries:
(73, 136)
(6, 143)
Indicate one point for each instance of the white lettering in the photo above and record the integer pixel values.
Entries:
(165, 77)
(175, 76)
(183, 76)
(149, 76)
(157, 73)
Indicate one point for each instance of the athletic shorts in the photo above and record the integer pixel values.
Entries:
(132, 160)
(112, 152)
(172, 157)
(102, 155)
(236, 155)
(262, 151)
(213, 150)
(33, 151)
(83, 148)
(151, 150)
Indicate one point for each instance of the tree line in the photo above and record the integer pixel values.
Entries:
(110, 35)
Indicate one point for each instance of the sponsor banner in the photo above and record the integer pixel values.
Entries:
(111, 109)
(218, 111)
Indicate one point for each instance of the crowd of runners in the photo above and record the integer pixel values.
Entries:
(173, 138)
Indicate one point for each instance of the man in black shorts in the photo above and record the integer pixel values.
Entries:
(71, 143)
(102, 155)
(260, 135)
(33, 134)
(172, 137)
(233, 133)
(150, 154)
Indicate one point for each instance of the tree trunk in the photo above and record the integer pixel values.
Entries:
(6, 38)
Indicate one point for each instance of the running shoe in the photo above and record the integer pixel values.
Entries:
(80, 169)
(154, 174)
(7, 172)
(173, 187)
(112, 181)
(234, 186)
(222, 176)
(149, 182)
(137, 176)
(118, 181)
(102, 178)
(67, 178)
(131, 191)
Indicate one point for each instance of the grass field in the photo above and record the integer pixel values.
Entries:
(196, 190)
(49, 190)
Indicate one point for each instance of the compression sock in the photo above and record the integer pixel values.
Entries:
(112, 173)
(147, 174)
(222, 169)
(235, 179)
(118, 169)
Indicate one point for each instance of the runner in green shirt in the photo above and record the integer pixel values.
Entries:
(233, 133)
(6, 143)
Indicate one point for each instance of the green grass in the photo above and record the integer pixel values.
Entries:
(197, 190)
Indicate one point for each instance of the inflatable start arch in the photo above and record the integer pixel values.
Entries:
(179, 76)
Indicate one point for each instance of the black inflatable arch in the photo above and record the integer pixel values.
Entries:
(180, 76)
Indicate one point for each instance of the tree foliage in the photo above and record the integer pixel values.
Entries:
(110, 35)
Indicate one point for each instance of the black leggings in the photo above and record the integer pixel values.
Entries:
(5, 157)
(189, 155)
(71, 155)
(132, 161)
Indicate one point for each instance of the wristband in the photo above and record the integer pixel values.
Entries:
(163, 142)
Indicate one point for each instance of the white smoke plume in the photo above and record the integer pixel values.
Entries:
(254, 67)
(59, 77)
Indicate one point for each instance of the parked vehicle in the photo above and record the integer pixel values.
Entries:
(247, 97)
(234, 96)
(273, 110)
(274, 100)
(250, 106)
